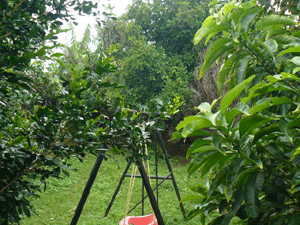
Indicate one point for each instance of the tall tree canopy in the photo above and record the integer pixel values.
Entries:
(170, 24)
(153, 48)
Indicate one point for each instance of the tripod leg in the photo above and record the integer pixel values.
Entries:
(143, 195)
(170, 170)
(118, 188)
(153, 202)
(88, 187)
(156, 163)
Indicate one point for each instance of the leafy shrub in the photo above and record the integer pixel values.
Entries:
(249, 152)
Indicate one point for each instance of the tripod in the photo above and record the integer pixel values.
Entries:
(143, 175)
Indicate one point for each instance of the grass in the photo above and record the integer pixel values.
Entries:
(58, 203)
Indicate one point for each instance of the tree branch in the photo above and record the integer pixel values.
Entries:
(13, 11)
(20, 175)
(6, 35)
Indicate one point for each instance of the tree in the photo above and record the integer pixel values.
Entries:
(250, 154)
(37, 136)
(152, 45)
(144, 69)
(171, 25)
(26, 24)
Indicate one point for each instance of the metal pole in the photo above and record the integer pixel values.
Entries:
(88, 187)
(143, 190)
(153, 202)
(118, 188)
(170, 170)
(143, 197)
(156, 166)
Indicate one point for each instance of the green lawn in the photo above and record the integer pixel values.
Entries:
(57, 205)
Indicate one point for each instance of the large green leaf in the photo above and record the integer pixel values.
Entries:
(268, 103)
(194, 125)
(57, 54)
(249, 123)
(176, 136)
(241, 67)
(216, 50)
(275, 150)
(238, 199)
(259, 43)
(264, 88)
(256, 90)
(196, 163)
(209, 32)
(283, 125)
(232, 176)
(295, 122)
(290, 50)
(283, 76)
(218, 180)
(252, 189)
(191, 197)
(273, 20)
(197, 144)
(199, 133)
(295, 153)
(227, 8)
(265, 131)
(271, 151)
(278, 220)
(234, 93)
(232, 114)
(217, 141)
(275, 30)
(229, 65)
(194, 213)
(272, 45)
(296, 179)
(199, 189)
(248, 17)
(243, 175)
(296, 60)
(206, 149)
(188, 119)
(222, 220)
(204, 107)
(255, 160)
(209, 162)
(284, 39)
(206, 25)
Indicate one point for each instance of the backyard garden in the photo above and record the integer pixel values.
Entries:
(218, 78)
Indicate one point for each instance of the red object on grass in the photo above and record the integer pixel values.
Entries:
(139, 220)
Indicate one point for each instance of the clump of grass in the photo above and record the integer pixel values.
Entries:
(58, 203)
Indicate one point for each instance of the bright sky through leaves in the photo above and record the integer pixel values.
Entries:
(83, 21)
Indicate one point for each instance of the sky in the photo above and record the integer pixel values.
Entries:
(83, 21)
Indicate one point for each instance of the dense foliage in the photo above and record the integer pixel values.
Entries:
(152, 45)
(170, 24)
(50, 112)
(249, 152)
